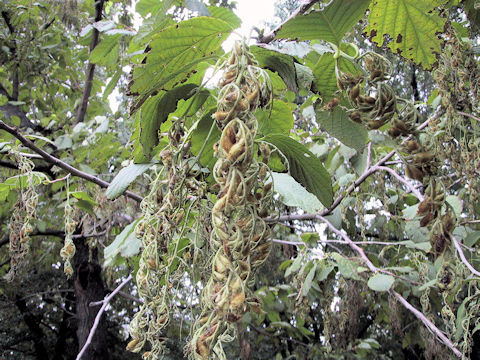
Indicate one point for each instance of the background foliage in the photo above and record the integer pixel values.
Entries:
(375, 127)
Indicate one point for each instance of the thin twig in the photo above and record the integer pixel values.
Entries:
(468, 115)
(82, 110)
(55, 161)
(412, 188)
(462, 256)
(99, 315)
(430, 326)
(420, 316)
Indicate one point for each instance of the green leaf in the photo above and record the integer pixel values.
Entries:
(124, 178)
(226, 15)
(325, 79)
(293, 194)
(413, 26)
(456, 203)
(125, 244)
(425, 245)
(84, 201)
(307, 284)
(199, 136)
(155, 111)
(295, 266)
(63, 142)
(280, 63)
(331, 24)
(277, 120)
(338, 124)
(381, 282)
(175, 52)
(106, 52)
(112, 83)
(348, 268)
(304, 167)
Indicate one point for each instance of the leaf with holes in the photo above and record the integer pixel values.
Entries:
(331, 24)
(175, 52)
(304, 167)
(413, 26)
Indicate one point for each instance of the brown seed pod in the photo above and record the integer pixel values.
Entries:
(423, 157)
(414, 172)
(411, 146)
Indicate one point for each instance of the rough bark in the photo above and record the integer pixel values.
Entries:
(89, 288)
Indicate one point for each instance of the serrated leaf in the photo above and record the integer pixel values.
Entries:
(226, 15)
(338, 124)
(175, 52)
(199, 136)
(282, 64)
(277, 120)
(413, 26)
(293, 194)
(155, 111)
(381, 282)
(330, 24)
(124, 178)
(304, 167)
(125, 244)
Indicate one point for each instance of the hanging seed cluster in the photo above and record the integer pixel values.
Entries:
(373, 110)
(240, 238)
(68, 250)
(420, 158)
(165, 210)
(23, 213)
(459, 87)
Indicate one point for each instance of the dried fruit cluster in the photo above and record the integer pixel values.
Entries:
(164, 212)
(240, 238)
(23, 213)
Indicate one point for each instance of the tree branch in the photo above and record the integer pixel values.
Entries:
(302, 9)
(55, 161)
(91, 67)
(99, 315)
(420, 316)
(462, 256)
(468, 115)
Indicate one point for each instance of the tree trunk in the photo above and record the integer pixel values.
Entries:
(89, 288)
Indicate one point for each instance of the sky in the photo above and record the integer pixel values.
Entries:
(254, 13)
